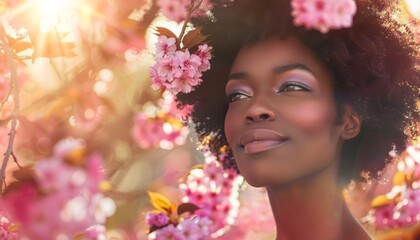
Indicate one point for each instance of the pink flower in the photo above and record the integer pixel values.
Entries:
(157, 219)
(176, 10)
(165, 46)
(95, 232)
(168, 69)
(204, 53)
(323, 15)
(169, 232)
(189, 63)
(190, 230)
(408, 209)
(215, 192)
(176, 70)
(148, 132)
(65, 146)
(383, 216)
(54, 175)
(5, 232)
(64, 198)
(162, 129)
(170, 105)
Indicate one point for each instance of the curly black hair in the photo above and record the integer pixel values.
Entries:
(374, 65)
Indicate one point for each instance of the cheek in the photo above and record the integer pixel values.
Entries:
(312, 116)
(229, 126)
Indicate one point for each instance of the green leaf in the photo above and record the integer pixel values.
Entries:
(193, 38)
(186, 207)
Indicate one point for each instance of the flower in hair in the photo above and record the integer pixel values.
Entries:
(323, 15)
(179, 68)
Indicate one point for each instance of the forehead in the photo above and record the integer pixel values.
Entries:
(263, 56)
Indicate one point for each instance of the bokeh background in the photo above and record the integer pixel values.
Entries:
(79, 70)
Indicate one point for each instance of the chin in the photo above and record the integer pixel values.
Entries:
(259, 181)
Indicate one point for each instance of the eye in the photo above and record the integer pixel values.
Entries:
(293, 86)
(236, 96)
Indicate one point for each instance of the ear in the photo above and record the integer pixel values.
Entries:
(352, 122)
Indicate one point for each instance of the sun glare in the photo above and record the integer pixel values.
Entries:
(414, 7)
(54, 12)
(53, 7)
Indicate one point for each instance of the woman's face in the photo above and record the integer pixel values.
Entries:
(281, 123)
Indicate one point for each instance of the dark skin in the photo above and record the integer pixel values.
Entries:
(282, 127)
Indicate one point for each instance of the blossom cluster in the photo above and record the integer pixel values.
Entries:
(188, 229)
(161, 126)
(178, 70)
(61, 196)
(7, 229)
(400, 207)
(210, 194)
(323, 15)
(215, 191)
(176, 10)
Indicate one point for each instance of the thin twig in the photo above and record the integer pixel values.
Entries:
(191, 9)
(5, 100)
(15, 94)
(15, 160)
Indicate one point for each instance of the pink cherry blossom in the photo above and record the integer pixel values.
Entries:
(383, 216)
(178, 70)
(5, 232)
(190, 230)
(168, 232)
(163, 128)
(157, 219)
(170, 105)
(407, 211)
(63, 199)
(95, 232)
(215, 192)
(147, 132)
(204, 53)
(165, 46)
(150, 132)
(176, 10)
(323, 15)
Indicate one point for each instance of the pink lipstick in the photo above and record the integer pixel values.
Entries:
(260, 140)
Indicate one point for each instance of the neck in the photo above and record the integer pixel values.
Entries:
(313, 208)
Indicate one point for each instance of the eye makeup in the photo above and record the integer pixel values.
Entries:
(237, 90)
(298, 78)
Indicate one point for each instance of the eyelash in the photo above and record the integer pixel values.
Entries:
(231, 96)
(302, 87)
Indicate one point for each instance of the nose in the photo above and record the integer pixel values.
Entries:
(260, 110)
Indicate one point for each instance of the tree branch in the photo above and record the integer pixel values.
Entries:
(15, 94)
(191, 9)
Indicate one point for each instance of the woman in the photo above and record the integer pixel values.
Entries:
(301, 112)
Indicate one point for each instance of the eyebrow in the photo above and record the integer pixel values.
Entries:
(276, 70)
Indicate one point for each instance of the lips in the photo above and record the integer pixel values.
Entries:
(260, 140)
